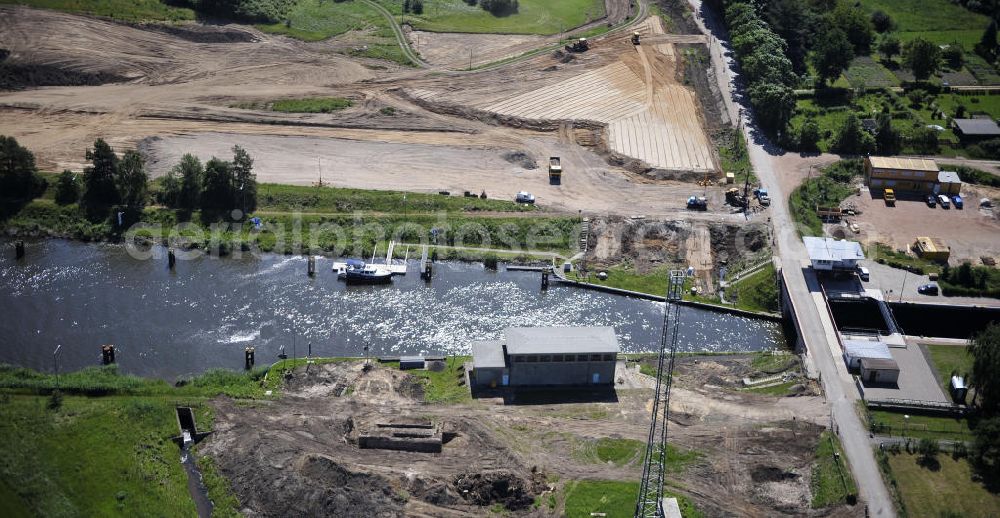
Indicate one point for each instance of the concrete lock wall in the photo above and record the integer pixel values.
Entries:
(417, 444)
(562, 373)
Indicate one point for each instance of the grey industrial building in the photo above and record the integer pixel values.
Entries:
(545, 356)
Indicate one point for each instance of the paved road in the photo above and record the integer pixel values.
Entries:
(816, 328)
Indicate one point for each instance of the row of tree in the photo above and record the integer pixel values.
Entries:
(216, 186)
(768, 71)
(112, 184)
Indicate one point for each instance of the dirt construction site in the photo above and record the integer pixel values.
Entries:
(615, 115)
(750, 455)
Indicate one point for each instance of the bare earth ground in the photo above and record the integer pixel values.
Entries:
(970, 232)
(307, 440)
(184, 90)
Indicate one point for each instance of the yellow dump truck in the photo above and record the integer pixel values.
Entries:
(932, 249)
(890, 197)
(555, 170)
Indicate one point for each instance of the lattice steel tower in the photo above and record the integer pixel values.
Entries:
(654, 462)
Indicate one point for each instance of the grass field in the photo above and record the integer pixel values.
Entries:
(533, 16)
(127, 10)
(445, 386)
(882, 252)
(832, 482)
(920, 426)
(824, 190)
(948, 490)
(928, 15)
(866, 72)
(312, 105)
(614, 499)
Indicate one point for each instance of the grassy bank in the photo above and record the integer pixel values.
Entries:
(919, 426)
(323, 220)
(828, 189)
(832, 482)
(885, 254)
(125, 10)
(758, 292)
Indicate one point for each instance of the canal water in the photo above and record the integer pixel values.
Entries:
(201, 315)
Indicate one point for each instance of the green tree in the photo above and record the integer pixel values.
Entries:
(954, 55)
(170, 189)
(832, 54)
(986, 448)
(881, 21)
(791, 19)
(773, 105)
(889, 47)
(985, 350)
(67, 188)
(922, 58)
(809, 136)
(217, 189)
(132, 182)
(244, 180)
(925, 141)
(19, 180)
(987, 46)
(417, 6)
(852, 139)
(888, 140)
(928, 448)
(191, 175)
(99, 190)
(856, 25)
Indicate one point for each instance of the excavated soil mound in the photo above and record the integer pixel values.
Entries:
(19, 76)
(501, 487)
(316, 485)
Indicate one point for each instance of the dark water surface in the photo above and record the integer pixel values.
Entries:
(204, 313)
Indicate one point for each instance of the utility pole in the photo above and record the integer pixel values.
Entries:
(903, 286)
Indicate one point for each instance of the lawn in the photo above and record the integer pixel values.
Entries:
(832, 482)
(779, 390)
(127, 10)
(828, 189)
(614, 499)
(533, 16)
(885, 254)
(919, 426)
(947, 359)
(948, 490)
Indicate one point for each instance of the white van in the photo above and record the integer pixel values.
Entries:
(864, 273)
(944, 201)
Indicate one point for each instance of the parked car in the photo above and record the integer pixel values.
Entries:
(944, 201)
(928, 289)
(957, 201)
(931, 200)
(525, 197)
(864, 273)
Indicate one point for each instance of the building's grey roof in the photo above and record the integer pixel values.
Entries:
(978, 127)
(557, 340)
(879, 364)
(866, 349)
(829, 249)
(948, 177)
(488, 354)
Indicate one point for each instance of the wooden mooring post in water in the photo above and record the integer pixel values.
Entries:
(107, 354)
(312, 266)
(171, 258)
(426, 265)
(248, 358)
(19, 250)
(545, 279)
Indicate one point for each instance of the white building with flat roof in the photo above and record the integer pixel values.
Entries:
(826, 253)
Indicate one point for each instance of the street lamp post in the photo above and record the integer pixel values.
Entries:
(903, 286)
(55, 362)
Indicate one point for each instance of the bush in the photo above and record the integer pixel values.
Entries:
(499, 7)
